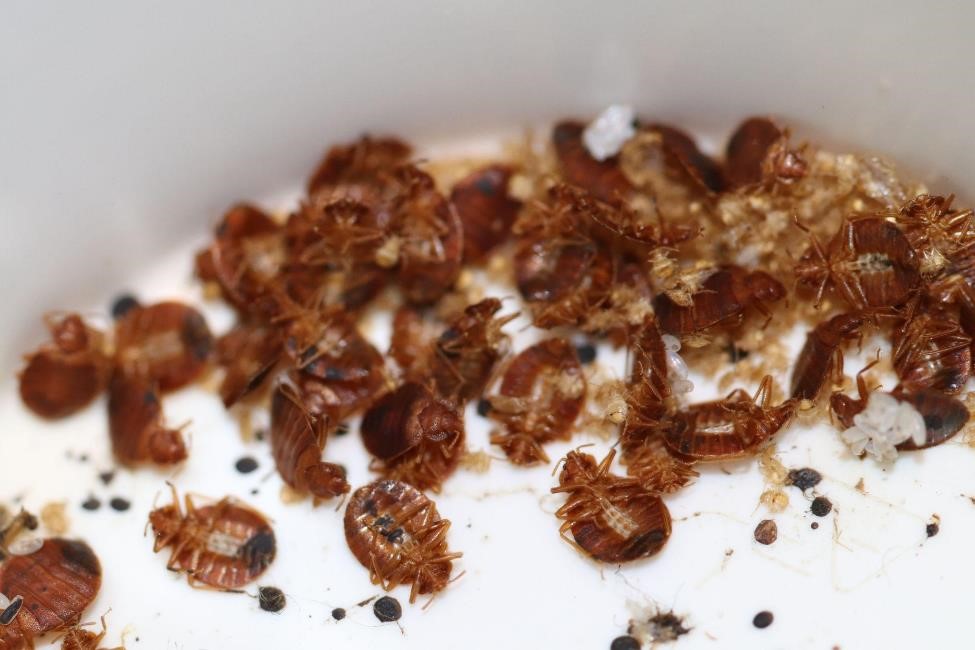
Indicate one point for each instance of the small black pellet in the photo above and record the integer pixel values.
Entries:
(821, 506)
(814, 525)
(483, 407)
(804, 478)
(932, 529)
(246, 465)
(120, 504)
(338, 613)
(91, 503)
(123, 305)
(586, 353)
(763, 619)
(624, 643)
(271, 599)
(106, 477)
(387, 609)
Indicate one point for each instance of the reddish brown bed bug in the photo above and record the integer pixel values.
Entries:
(352, 170)
(541, 394)
(415, 436)
(247, 354)
(78, 638)
(604, 178)
(931, 350)
(935, 230)
(135, 423)
(411, 337)
(56, 583)
(223, 546)
(345, 232)
(944, 416)
(822, 355)
(728, 428)
(485, 209)
(721, 302)
(395, 531)
(65, 375)
(758, 152)
(869, 262)
(463, 356)
(648, 368)
(705, 171)
(611, 518)
(298, 437)
(167, 342)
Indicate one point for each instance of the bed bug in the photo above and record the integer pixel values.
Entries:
(135, 424)
(411, 337)
(721, 302)
(758, 153)
(167, 342)
(611, 518)
(346, 232)
(298, 437)
(351, 170)
(247, 353)
(944, 416)
(931, 350)
(223, 546)
(56, 583)
(705, 171)
(541, 394)
(415, 436)
(935, 230)
(604, 179)
(395, 531)
(78, 638)
(65, 375)
(822, 355)
(869, 262)
(657, 470)
(728, 428)
(463, 356)
(485, 209)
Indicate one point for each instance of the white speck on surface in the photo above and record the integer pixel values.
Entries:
(882, 425)
(606, 135)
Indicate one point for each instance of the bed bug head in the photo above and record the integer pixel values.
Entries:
(166, 446)
(68, 331)
(165, 523)
(326, 480)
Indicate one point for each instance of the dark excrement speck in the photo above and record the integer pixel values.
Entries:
(246, 465)
(387, 609)
(120, 504)
(624, 643)
(821, 506)
(762, 619)
(91, 503)
(106, 477)
(123, 305)
(586, 353)
(338, 613)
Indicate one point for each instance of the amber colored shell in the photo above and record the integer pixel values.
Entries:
(604, 179)
(225, 545)
(416, 436)
(168, 342)
(394, 530)
(485, 210)
(612, 519)
(57, 582)
(64, 376)
(135, 424)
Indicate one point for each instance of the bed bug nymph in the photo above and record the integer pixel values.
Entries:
(485, 210)
(758, 153)
(64, 376)
(223, 546)
(604, 179)
(822, 355)
(135, 424)
(78, 638)
(612, 519)
(395, 531)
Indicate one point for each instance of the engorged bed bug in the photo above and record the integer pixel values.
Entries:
(462, 357)
(57, 582)
(604, 179)
(724, 297)
(168, 342)
(931, 350)
(821, 357)
(247, 354)
(612, 519)
(225, 545)
(135, 424)
(65, 375)
(541, 394)
(869, 263)
(727, 428)
(485, 210)
(758, 153)
(298, 437)
(395, 531)
(414, 435)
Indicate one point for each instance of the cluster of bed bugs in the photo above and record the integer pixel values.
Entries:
(643, 248)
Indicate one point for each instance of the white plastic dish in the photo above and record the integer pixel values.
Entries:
(125, 130)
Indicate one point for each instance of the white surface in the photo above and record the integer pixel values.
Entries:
(126, 128)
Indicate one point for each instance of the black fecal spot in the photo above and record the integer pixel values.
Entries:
(259, 550)
(255, 491)
(123, 305)
(106, 477)
(246, 465)
(338, 613)
(342, 429)
(387, 609)
(119, 504)
(80, 555)
(735, 353)
(396, 536)
(814, 525)
(271, 599)
(762, 619)
(486, 185)
(91, 503)
(10, 613)
(83, 458)
(259, 435)
(804, 478)
(624, 643)
(932, 529)
(821, 506)
(483, 407)
(586, 353)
